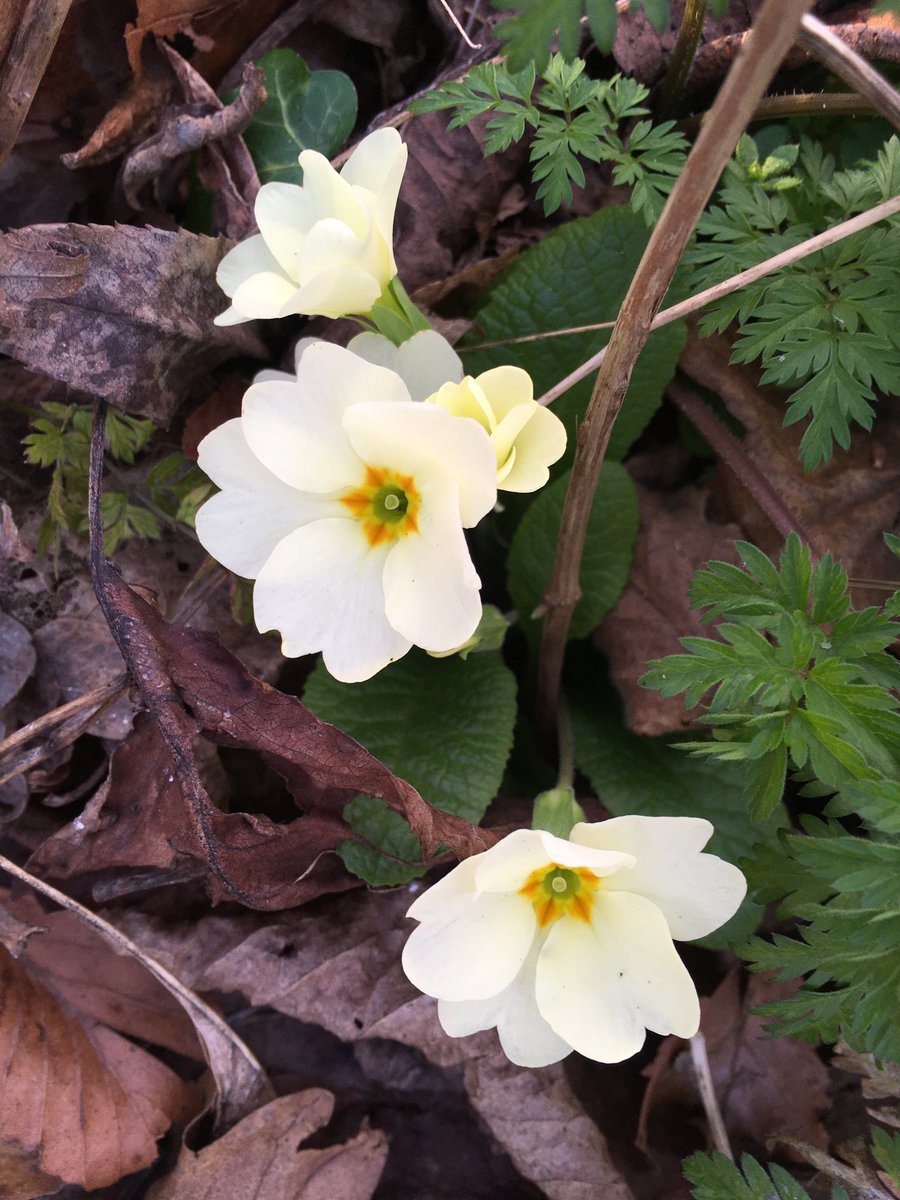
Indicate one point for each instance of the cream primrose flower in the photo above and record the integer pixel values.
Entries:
(566, 944)
(346, 502)
(526, 437)
(424, 362)
(324, 247)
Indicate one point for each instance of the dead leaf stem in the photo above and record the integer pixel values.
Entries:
(770, 38)
(845, 62)
(23, 68)
(242, 1083)
(730, 451)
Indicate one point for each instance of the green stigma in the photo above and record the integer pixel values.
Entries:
(389, 504)
(560, 884)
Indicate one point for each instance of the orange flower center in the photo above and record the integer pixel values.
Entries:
(386, 503)
(556, 892)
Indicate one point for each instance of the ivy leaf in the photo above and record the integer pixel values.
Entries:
(608, 550)
(577, 274)
(305, 110)
(445, 725)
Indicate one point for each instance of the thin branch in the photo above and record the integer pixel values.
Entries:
(672, 86)
(888, 208)
(730, 452)
(22, 70)
(242, 1081)
(700, 1063)
(283, 25)
(819, 40)
(459, 29)
(770, 37)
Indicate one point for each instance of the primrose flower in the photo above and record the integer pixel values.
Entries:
(424, 362)
(566, 944)
(324, 247)
(527, 438)
(346, 502)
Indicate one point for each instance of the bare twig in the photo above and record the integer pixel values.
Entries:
(242, 1081)
(187, 131)
(700, 1062)
(772, 34)
(730, 451)
(63, 735)
(90, 701)
(837, 233)
(26, 61)
(816, 37)
(459, 29)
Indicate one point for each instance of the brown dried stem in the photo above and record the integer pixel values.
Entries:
(26, 61)
(771, 36)
(887, 208)
(730, 452)
(845, 62)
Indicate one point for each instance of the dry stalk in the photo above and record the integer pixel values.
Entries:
(770, 38)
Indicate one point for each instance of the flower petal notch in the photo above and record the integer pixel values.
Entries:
(566, 944)
(526, 437)
(346, 501)
(324, 247)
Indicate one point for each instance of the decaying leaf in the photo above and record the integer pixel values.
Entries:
(157, 812)
(117, 311)
(260, 1158)
(676, 539)
(81, 1104)
(341, 969)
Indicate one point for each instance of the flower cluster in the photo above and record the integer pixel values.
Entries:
(567, 944)
(346, 486)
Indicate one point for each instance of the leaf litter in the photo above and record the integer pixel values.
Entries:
(164, 816)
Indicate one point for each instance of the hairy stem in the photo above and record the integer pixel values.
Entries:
(816, 37)
(770, 38)
(682, 58)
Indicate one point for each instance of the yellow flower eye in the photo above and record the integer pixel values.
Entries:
(556, 891)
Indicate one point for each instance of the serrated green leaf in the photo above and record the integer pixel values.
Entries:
(305, 110)
(886, 1148)
(715, 1177)
(578, 274)
(445, 725)
(382, 828)
(605, 563)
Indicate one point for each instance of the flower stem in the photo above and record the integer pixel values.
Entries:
(682, 59)
(770, 37)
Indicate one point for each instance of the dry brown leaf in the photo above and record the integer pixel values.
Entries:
(676, 539)
(260, 1158)
(14, 933)
(17, 655)
(80, 1104)
(765, 1086)
(117, 311)
(76, 655)
(341, 969)
(846, 504)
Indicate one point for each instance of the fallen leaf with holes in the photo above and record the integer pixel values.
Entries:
(340, 969)
(766, 1087)
(259, 1157)
(117, 311)
(81, 1104)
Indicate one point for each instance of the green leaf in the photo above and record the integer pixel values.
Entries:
(886, 1148)
(608, 550)
(577, 274)
(382, 827)
(715, 1177)
(445, 725)
(305, 110)
(634, 774)
(529, 34)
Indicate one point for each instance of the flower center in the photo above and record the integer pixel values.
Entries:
(557, 892)
(386, 504)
